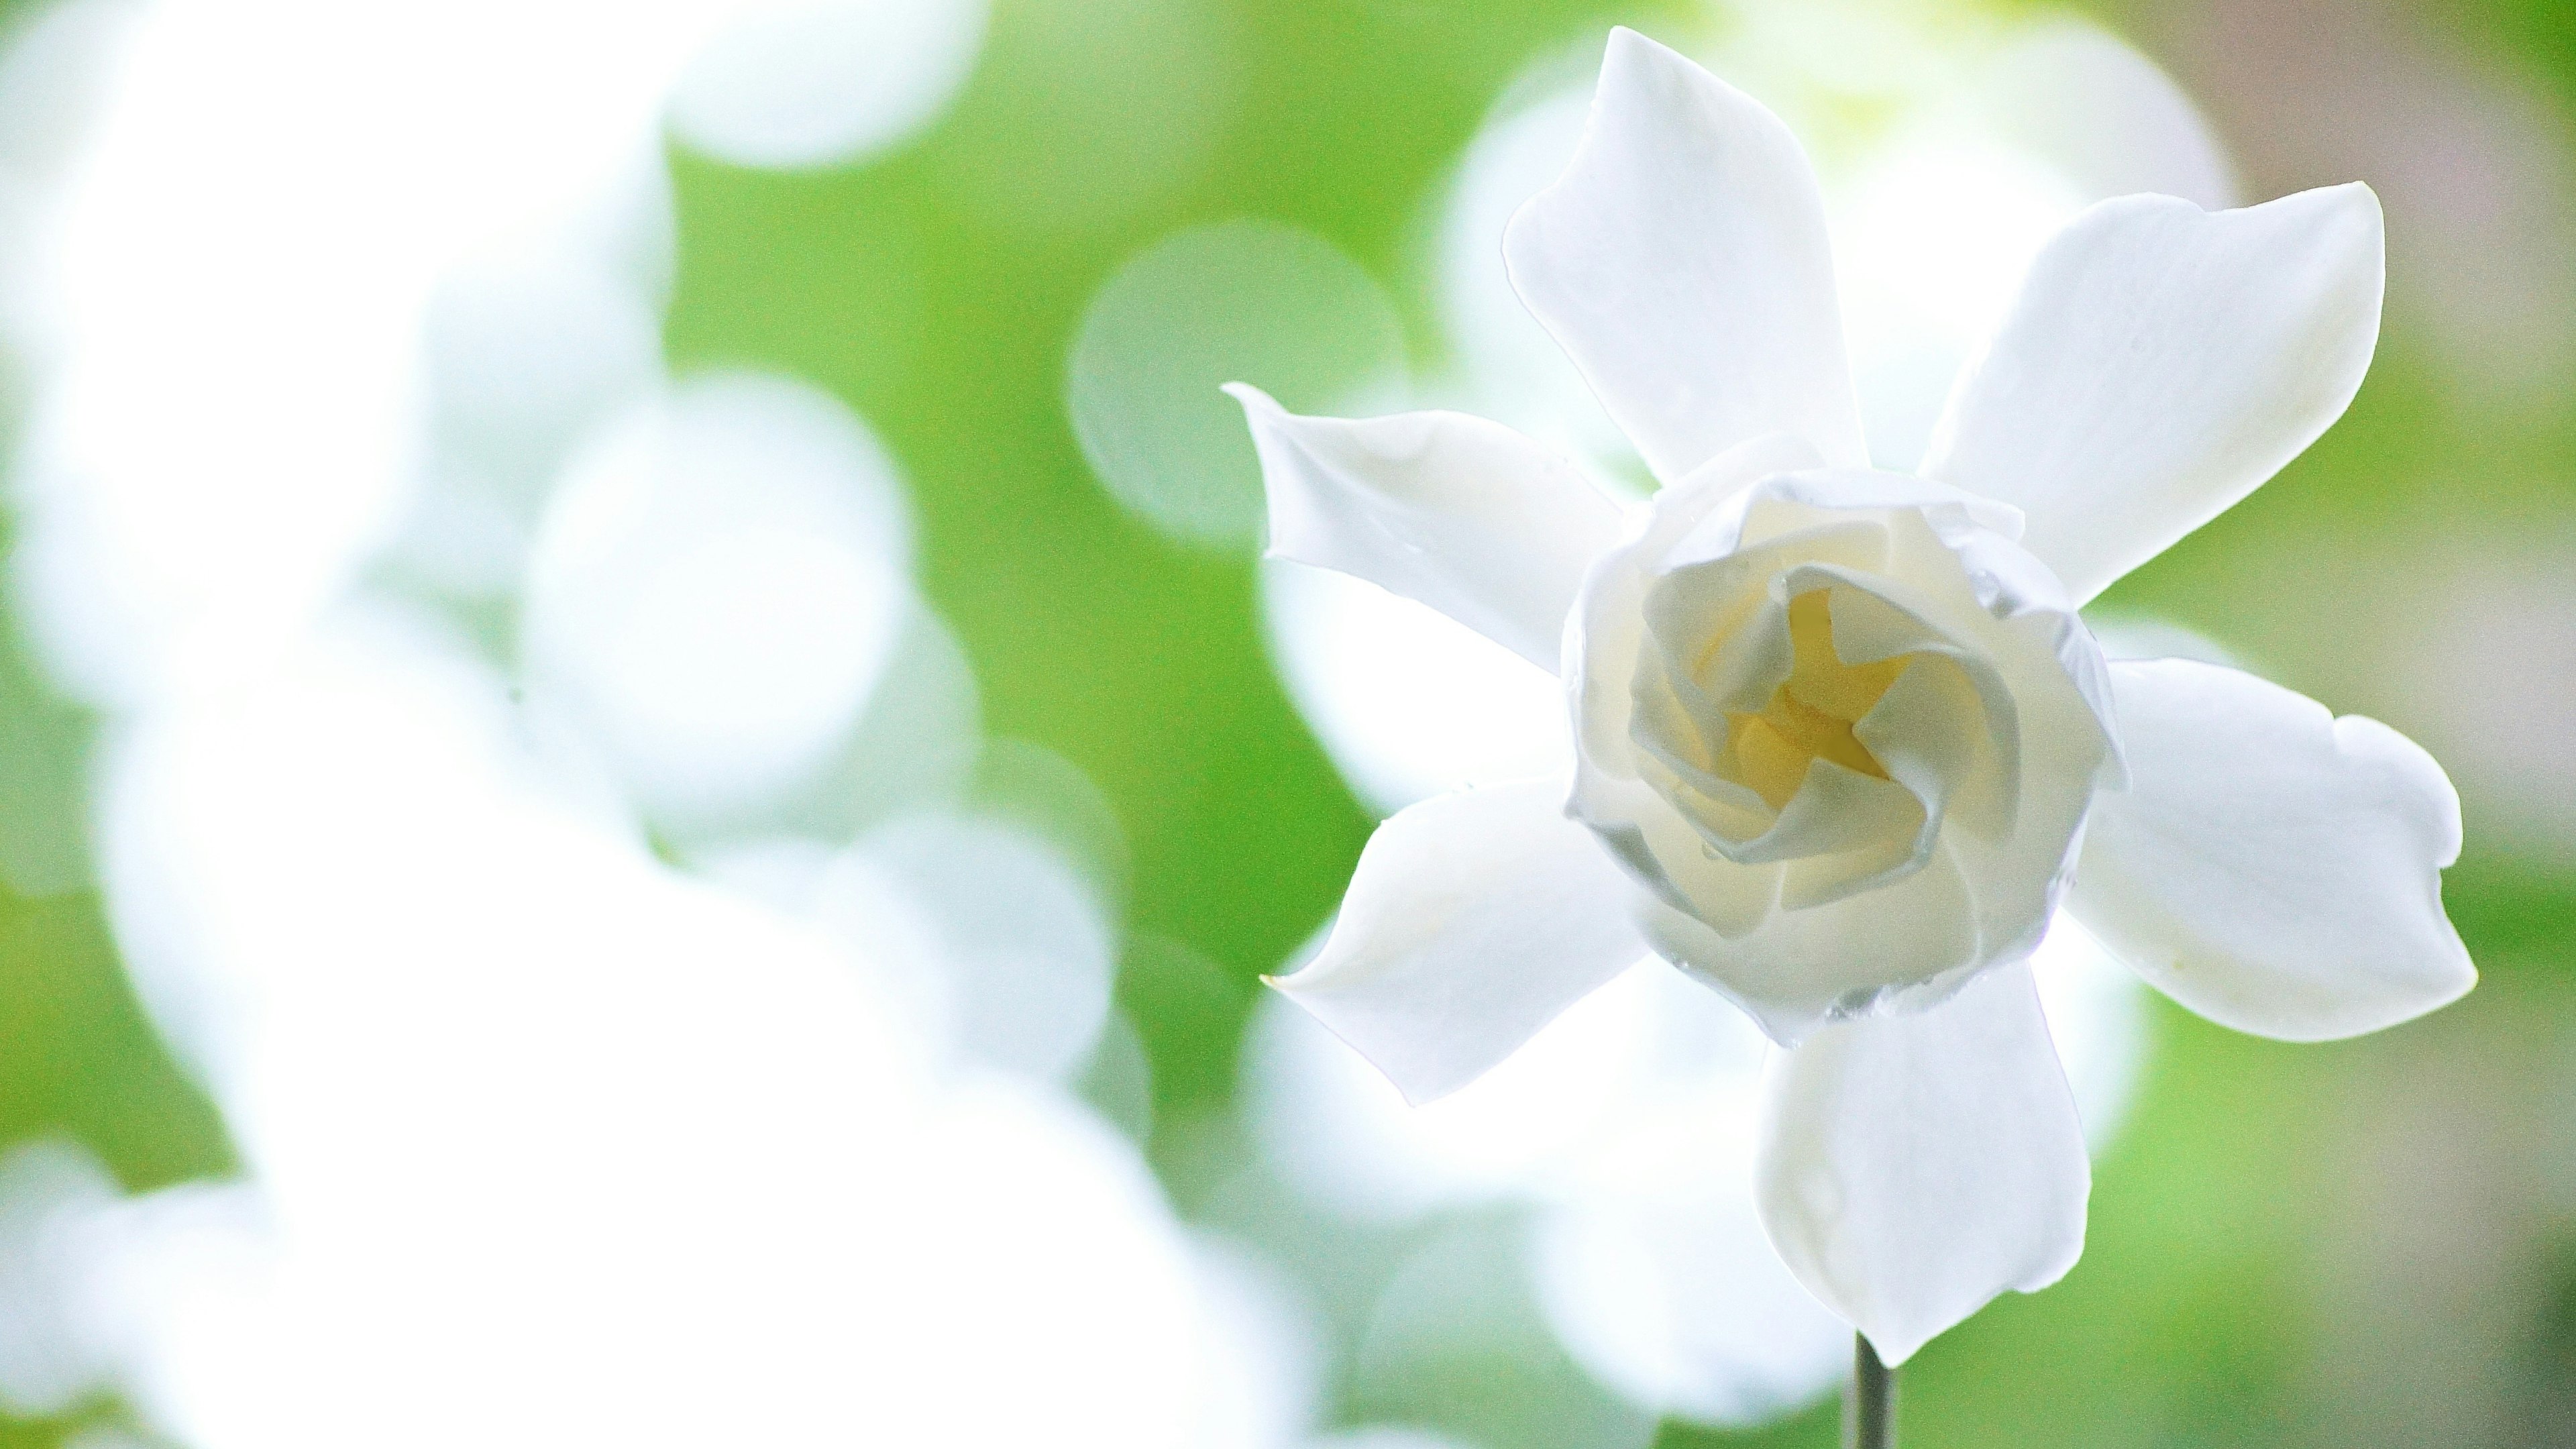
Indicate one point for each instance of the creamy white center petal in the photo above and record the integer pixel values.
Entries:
(1810, 714)
(1841, 727)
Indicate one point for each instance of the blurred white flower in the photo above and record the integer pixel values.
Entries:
(545, 1140)
(1839, 732)
(188, 268)
(1626, 1127)
(549, 1143)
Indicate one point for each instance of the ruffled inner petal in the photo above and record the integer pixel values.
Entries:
(1761, 708)
(1604, 646)
(1930, 732)
(1997, 721)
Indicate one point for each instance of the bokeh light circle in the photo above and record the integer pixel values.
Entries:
(1235, 301)
(717, 586)
(806, 83)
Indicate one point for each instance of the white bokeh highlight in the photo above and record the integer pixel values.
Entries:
(545, 1139)
(716, 587)
(1020, 953)
(1200, 308)
(797, 84)
(532, 1116)
(189, 270)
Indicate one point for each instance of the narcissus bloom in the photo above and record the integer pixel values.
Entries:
(1843, 744)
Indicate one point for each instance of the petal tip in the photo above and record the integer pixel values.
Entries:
(2356, 194)
(1418, 1095)
(1895, 1349)
(2463, 981)
(1627, 38)
(2347, 215)
(1295, 982)
(1253, 399)
(1629, 46)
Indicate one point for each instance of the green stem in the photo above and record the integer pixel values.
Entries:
(1869, 1406)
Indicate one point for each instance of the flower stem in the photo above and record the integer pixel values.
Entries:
(1869, 1407)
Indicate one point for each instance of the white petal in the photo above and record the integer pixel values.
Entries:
(1681, 261)
(1914, 1166)
(1472, 921)
(2271, 867)
(1459, 513)
(1795, 972)
(2160, 363)
(1784, 948)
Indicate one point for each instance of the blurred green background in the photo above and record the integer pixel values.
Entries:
(2367, 1243)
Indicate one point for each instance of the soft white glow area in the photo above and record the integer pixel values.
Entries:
(1340, 1131)
(50, 1190)
(526, 345)
(716, 587)
(1459, 1302)
(1269, 1365)
(1508, 367)
(1667, 1291)
(527, 340)
(1931, 237)
(545, 1142)
(1628, 1125)
(242, 256)
(552, 1145)
(2097, 1014)
(1409, 702)
(1209, 305)
(1010, 953)
(1384, 1436)
(797, 83)
(2105, 117)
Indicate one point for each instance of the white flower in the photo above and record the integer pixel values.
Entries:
(1623, 1130)
(542, 1141)
(1841, 737)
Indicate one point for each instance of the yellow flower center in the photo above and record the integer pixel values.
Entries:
(1811, 714)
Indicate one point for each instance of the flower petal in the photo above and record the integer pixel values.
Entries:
(1914, 1166)
(2271, 867)
(1473, 920)
(1456, 512)
(1681, 262)
(2160, 363)
(1797, 971)
(1794, 945)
